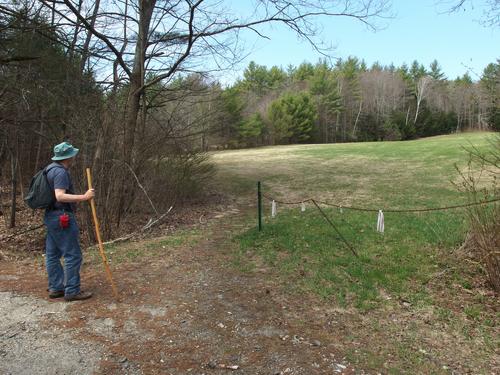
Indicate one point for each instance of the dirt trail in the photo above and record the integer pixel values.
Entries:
(187, 312)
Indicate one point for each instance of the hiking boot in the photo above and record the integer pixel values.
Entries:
(78, 297)
(56, 294)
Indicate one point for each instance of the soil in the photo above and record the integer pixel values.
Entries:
(188, 311)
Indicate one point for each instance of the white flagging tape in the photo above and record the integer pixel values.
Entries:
(341, 210)
(273, 209)
(380, 222)
(303, 207)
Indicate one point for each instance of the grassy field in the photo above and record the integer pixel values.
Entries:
(399, 175)
(415, 262)
(379, 174)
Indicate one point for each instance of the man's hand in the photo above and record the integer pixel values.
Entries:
(89, 194)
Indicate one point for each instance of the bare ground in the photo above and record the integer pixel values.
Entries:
(185, 312)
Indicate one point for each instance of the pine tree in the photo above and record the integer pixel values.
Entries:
(417, 71)
(490, 81)
(435, 71)
(292, 117)
(251, 128)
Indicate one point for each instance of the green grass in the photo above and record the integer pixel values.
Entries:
(304, 248)
(378, 174)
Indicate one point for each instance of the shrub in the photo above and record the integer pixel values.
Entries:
(480, 181)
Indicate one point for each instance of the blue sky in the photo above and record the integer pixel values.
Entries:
(419, 30)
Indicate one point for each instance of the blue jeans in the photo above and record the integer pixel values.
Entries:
(62, 243)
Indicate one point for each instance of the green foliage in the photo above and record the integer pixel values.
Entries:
(466, 79)
(258, 78)
(292, 117)
(251, 128)
(354, 102)
(404, 73)
(435, 71)
(350, 68)
(390, 130)
(490, 81)
(324, 88)
(362, 66)
(376, 66)
(41, 81)
(255, 77)
(303, 72)
(494, 118)
(417, 71)
(233, 104)
(276, 77)
(432, 123)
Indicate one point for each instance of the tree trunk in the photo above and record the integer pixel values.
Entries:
(13, 202)
(137, 77)
(39, 148)
(75, 33)
(357, 119)
(85, 49)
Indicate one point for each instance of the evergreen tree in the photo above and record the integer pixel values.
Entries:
(466, 79)
(490, 81)
(250, 129)
(324, 88)
(276, 77)
(303, 72)
(255, 78)
(362, 66)
(352, 96)
(233, 104)
(435, 71)
(376, 66)
(292, 117)
(417, 71)
(404, 72)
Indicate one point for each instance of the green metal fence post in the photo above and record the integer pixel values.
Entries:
(259, 204)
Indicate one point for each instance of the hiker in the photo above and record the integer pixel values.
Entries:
(62, 229)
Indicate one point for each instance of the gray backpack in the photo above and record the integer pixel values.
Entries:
(40, 194)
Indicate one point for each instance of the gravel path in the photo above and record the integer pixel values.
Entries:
(32, 342)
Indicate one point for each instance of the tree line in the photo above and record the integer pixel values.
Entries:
(348, 101)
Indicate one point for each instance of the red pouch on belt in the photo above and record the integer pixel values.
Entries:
(64, 221)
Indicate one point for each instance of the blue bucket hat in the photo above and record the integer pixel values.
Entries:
(64, 151)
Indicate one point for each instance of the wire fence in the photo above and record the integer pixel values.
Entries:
(380, 211)
(367, 209)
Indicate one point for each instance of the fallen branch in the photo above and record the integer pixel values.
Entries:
(151, 223)
(21, 232)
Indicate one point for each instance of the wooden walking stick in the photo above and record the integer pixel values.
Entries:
(99, 240)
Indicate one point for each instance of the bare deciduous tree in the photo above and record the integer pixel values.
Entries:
(491, 9)
(422, 87)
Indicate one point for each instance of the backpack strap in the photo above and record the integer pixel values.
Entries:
(51, 166)
(45, 172)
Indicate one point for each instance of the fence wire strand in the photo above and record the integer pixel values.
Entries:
(396, 210)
